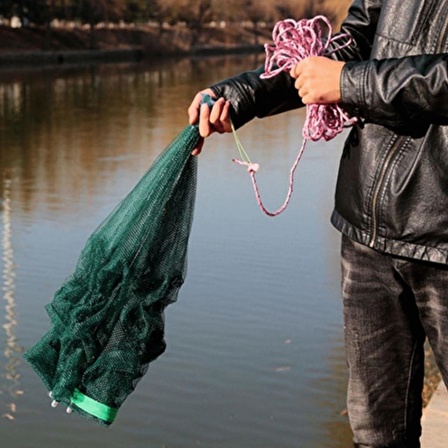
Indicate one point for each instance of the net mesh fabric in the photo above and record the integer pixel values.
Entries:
(107, 318)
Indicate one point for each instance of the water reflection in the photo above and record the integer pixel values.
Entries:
(44, 117)
(12, 350)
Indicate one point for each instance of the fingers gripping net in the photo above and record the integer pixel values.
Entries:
(107, 318)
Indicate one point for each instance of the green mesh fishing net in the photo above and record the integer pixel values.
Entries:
(107, 318)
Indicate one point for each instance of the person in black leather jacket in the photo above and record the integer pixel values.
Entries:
(391, 201)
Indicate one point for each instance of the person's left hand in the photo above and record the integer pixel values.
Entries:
(318, 80)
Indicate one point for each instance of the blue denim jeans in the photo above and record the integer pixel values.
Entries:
(391, 305)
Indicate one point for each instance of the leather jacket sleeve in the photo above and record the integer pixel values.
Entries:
(392, 92)
(252, 96)
(398, 92)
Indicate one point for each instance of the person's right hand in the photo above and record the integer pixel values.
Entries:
(318, 80)
(216, 119)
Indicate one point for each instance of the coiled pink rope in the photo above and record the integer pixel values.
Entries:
(294, 41)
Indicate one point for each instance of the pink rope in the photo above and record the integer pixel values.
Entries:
(294, 41)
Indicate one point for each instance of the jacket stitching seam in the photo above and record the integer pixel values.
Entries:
(437, 37)
(399, 41)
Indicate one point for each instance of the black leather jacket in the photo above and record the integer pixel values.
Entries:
(392, 190)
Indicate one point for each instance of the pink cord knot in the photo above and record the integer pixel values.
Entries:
(251, 167)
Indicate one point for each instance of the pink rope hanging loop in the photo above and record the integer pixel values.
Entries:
(293, 42)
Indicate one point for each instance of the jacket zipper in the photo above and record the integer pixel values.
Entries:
(439, 47)
(376, 193)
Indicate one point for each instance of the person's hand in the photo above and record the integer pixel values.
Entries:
(216, 119)
(318, 80)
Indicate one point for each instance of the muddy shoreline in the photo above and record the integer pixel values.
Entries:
(33, 46)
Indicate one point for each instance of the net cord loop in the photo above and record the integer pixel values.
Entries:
(294, 41)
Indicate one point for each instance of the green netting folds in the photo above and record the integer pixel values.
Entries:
(107, 318)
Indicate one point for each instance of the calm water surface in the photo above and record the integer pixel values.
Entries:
(255, 352)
